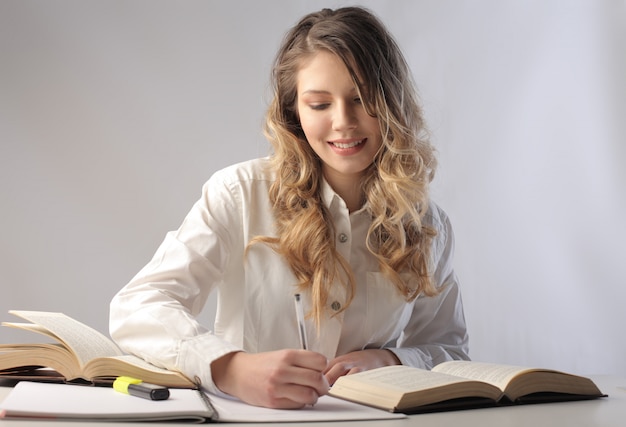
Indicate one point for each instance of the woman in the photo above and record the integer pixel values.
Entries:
(339, 213)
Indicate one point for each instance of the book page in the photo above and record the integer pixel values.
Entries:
(103, 366)
(84, 341)
(401, 378)
(327, 408)
(65, 401)
(140, 363)
(498, 375)
(31, 327)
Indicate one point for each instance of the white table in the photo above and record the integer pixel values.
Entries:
(605, 412)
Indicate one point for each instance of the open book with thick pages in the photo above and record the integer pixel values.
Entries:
(79, 353)
(460, 384)
(33, 400)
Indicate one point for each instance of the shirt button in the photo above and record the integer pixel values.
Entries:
(336, 305)
(343, 238)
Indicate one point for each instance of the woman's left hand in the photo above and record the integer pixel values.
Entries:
(358, 361)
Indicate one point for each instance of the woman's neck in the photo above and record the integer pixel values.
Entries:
(348, 188)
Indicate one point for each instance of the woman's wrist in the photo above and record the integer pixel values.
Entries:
(221, 372)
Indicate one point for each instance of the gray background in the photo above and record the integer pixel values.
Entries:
(114, 113)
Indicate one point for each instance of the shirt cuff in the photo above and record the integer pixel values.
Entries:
(196, 355)
(412, 357)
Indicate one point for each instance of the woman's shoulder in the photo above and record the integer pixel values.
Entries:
(435, 216)
(259, 169)
(437, 219)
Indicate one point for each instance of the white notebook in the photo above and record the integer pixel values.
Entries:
(65, 401)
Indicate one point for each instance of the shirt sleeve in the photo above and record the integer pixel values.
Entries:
(436, 331)
(154, 315)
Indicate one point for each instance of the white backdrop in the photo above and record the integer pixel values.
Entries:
(113, 113)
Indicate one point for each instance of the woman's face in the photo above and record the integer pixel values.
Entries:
(334, 120)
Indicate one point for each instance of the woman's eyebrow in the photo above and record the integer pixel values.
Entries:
(316, 91)
(322, 92)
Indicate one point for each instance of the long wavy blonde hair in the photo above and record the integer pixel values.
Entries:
(395, 186)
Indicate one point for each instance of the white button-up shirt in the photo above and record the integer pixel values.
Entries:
(154, 316)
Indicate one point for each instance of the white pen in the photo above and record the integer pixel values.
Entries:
(304, 344)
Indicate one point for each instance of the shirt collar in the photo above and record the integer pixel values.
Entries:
(328, 195)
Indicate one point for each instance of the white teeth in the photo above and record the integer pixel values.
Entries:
(349, 145)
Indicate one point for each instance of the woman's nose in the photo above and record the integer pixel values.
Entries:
(345, 117)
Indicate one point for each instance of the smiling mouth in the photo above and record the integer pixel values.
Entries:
(347, 144)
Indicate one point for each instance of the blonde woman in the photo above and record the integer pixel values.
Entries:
(339, 213)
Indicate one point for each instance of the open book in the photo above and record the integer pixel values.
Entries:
(80, 354)
(460, 384)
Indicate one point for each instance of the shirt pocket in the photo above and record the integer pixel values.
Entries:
(388, 312)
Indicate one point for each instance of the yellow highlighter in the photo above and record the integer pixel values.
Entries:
(135, 387)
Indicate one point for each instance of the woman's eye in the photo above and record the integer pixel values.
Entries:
(357, 100)
(318, 106)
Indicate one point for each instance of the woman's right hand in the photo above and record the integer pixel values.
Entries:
(277, 379)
